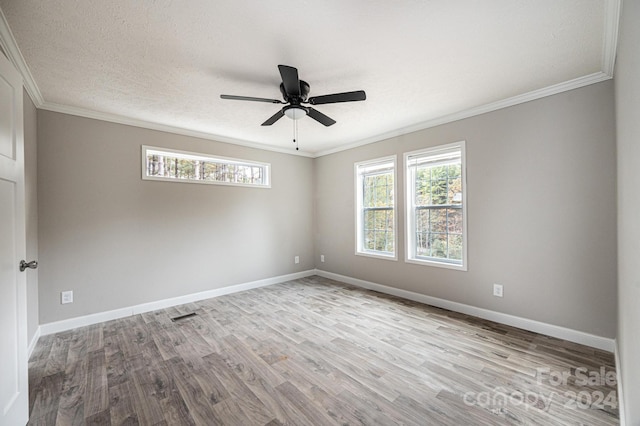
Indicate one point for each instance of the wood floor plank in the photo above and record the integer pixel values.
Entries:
(312, 413)
(71, 402)
(99, 419)
(198, 344)
(47, 399)
(166, 339)
(192, 394)
(147, 408)
(97, 394)
(312, 351)
(116, 361)
(176, 411)
(121, 405)
(238, 390)
(57, 359)
(230, 413)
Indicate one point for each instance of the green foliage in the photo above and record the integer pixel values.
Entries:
(438, 185)
(378, 212)
(438, 200)
(180, 168)
(378, 190)
(378, 230)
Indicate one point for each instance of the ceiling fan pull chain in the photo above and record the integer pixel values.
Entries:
(295, 133)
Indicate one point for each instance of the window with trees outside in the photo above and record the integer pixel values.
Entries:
(181, 166)
(376, 208)
(436, 206)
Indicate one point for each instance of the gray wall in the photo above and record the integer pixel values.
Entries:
(31, 210)
(628, 139)
(117, 241)
(541, 212)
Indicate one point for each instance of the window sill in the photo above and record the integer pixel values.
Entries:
(377, 255)
(445, 265)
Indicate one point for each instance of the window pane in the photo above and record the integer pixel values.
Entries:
(369, 240)
(439, 191)
(422, 244)
(455, 191)
(435, 183)
(455, 247)
(378, 230)
(438, 245)
(422, 220)
(369, 219)
(378, 190)
(368, 192)
(423, 187)
(375, 188)
(439, 173)
(454, 221)
(438, 221)
(381, 241)
(187, 166)
(454, 171)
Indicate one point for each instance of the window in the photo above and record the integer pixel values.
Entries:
(376, 208)
(436, 206)
(180, 166)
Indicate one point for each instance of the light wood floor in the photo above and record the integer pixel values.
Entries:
(313, 351)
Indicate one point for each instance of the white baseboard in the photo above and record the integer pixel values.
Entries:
(571, 335)
(616, 353)
(34, 340)
(71, 323)
(581, 337)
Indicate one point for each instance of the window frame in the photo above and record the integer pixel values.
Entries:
(359, 210)
(410, 219)
(203, 157)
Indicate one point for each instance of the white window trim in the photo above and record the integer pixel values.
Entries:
(409, 198)
(358, 203)
(203, 157)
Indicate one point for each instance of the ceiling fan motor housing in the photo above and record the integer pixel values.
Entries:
(304, 92)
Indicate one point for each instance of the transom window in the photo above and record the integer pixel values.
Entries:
(376, 208)
(436, 206)
(181, 166)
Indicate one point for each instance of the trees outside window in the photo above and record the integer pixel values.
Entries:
(436, 206)
(376, 208)
(172, 165)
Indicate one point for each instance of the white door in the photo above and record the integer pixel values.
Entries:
(14, 397)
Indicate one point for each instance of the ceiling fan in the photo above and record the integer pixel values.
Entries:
(295, 92)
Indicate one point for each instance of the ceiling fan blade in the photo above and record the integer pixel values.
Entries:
(249, 98)
(320, 117)
(358, 95)
(275, 117)
(290, 80)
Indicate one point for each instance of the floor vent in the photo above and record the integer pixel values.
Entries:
(185, 316)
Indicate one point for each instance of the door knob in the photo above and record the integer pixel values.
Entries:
(31, 265)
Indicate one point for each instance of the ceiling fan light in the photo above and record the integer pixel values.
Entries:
(295, 113)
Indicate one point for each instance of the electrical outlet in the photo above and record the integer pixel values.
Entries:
(296, 259)
(66, 297)
(322, 258)
(497, 290)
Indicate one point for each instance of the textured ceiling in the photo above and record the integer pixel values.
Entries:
(165, 62)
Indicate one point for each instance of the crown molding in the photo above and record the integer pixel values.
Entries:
(482, 109)
(610, 39)
(10, 47)
(120, 119)
(612, 12)
(609, 46)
